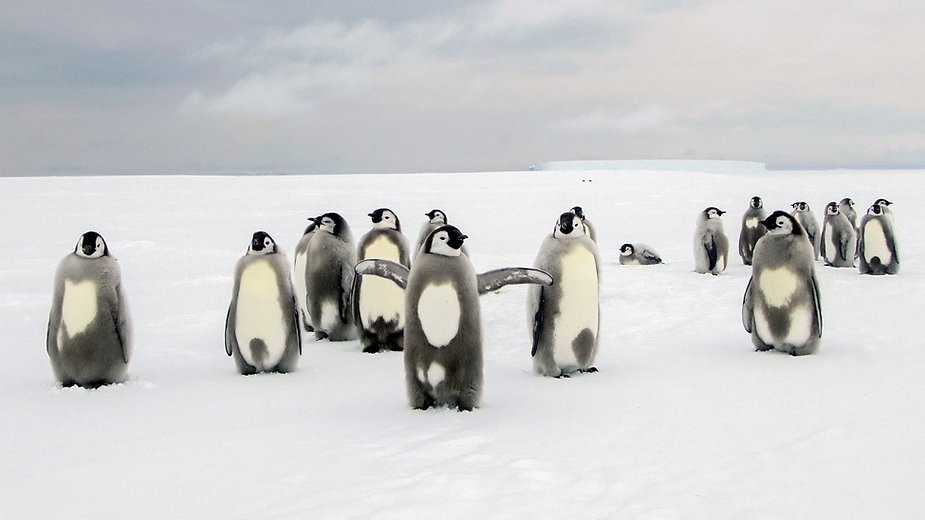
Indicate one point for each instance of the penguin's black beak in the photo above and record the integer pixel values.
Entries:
(768, 223)
(375, 219)
(457, 241)
(257, 245)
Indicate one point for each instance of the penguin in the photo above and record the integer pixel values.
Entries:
(331, 257)
(781, 308)
(300, 275)
(846, 207)
(443, 322)
(262, 329)
(878, 253)
(435, 218)
(639, 254)
(711, 247)
(752, 229)
(807, 219)
(839, 238)
(565, 318)
(89, 336)
(589, 227)
(380, 303)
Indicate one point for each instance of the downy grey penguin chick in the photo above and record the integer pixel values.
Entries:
(435, 218)
(839, 239)
(782, 308)
(89, 337)
(846, 207)
(565, 318)
(331, 257)
(380, 303)
(589, 227)
(878, 253)
(300, 275)
(262, 331)
(807, 219)
(639, 254)
(443, 323)
(752, 229)
(711, 247)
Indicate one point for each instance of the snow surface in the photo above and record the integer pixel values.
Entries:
(684, 420)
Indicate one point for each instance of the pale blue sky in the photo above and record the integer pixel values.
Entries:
(414, 85)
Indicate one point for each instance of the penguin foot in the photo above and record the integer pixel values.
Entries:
(320, 335)
(371, 349)
(590, 370)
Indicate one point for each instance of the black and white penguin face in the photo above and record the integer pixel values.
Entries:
(627, 250)
(831, 209)
(882, 202)
(800, 206)
(91, 245)
(445, 241)
(384, 218)
(331, 222)
(261, 244)
(847, 202)
(781, 223)
(756, 202)
(569, 225)
(876, 210)
(713, 212)
(578, 211)
(436, 216)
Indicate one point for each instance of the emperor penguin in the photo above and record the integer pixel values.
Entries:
(846, 207)
(782, 309)
(639, 254)
(807, 219)
(884, 207)
(300, 275)
(380, 303)
(839, 238)
(262, 330)
(443, 324)
(565, 317)
(89, 337)
(752, 229)
(331, 257)
(878, 251)
(711, 247)
(435, 218)
(589, 227)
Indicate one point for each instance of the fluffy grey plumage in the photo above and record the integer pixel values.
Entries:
(782, 307)
(807, 219)
(331, 258)
(752, 229)
(711, 247)
(89, 334)
(589, 227)
(300, 275)
(639, 254)
(878, 252)
(262, 331)
(565, 317)
(839, 238)
(846, 207)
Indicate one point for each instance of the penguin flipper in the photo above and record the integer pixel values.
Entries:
(650, 256)
(748, 307)
(817, 302)
(123, 332)
(710, 245)
(230, 340)
(385, 269)
(498, 278)
(296, 320)
(538, 318)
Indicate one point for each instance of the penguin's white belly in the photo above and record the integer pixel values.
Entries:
(78, 307)
(751, 223)
(439, 312)
(380, 297)
(259, 314)
(301, 291)
(778, 286)
(799, 333)
(832, 247)
(875, 242)
(578, 306)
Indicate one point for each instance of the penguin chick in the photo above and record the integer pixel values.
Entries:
(839, 239)
(878, 252)
(752, 229)
(300, 275)
(589, 227)
(711, 247)
(807, 219)
(331, 257)
(639, 254)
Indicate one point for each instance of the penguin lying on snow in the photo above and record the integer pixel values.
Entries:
(711, 247)
(878, 251)
(443, 324)
(752, 229)
(262, 331)
(782, 308)
(639, 254)
(89, 335)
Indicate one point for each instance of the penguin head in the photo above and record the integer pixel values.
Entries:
(875, 210)
(261, 244)
(846, 202)
(332, 223)
(800, 206)
(91, 245)
(384, 218)
(578, 211)
(713, 212)
(569, 225)
(312, 227)
(436, 216)
(831, 208)
(756, 202)
(445, 241)
(627, 250)
(782, 223)
(882, 202)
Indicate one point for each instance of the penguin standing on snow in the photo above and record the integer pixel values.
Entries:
(878, 251)
(380, 303)
(805, 217)
(262, 331)
(331, 257)
(639, 254)
(565, 318)
(89, 335)
(781, 308)
(435, 218)
(589, 227)
(300, 274)
(846, 207)
(711, 247)
(839, 239)
(752, 229)
(443, 323)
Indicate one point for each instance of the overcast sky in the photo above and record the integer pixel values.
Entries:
(180, 86)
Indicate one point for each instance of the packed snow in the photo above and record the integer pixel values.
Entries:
(684, 419)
